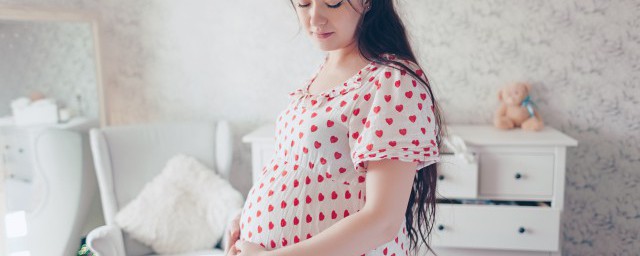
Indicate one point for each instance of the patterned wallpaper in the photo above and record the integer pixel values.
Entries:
(194, 59)
(55, 58)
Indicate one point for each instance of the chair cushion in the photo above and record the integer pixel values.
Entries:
(182, 209)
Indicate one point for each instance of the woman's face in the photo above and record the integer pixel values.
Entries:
(331, 24)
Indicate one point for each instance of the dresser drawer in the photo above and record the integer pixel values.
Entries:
(497, 227)
(457, 178)
(516, 175)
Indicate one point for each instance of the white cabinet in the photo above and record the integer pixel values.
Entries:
(47, 183)
(508, 201)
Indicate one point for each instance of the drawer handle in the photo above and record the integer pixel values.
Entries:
(441, 177)
(440, 227)
(518, 176)
(521, 230)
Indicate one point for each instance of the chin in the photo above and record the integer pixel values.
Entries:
(327, 47)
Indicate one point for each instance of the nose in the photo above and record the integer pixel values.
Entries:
(317, 17)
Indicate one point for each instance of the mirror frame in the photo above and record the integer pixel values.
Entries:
(30, 14)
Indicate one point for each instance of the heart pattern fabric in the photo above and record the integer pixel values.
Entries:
(323, 144)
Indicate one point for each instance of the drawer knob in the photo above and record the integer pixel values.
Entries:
(440, 227)
(521, 230)
(441, 177)
(518, 176)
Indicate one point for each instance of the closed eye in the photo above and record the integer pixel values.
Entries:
(337, 5)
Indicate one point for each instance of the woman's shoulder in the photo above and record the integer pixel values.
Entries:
(396, 64)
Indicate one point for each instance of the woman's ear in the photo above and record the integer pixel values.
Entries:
(366, 4)
(500, 95)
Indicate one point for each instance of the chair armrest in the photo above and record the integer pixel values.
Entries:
(106, 241)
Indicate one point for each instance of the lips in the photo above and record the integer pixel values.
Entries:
(323, 35)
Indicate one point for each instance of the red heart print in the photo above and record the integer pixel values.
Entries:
(408, 94)
(369, 146)
(389, 121)
(329, 123)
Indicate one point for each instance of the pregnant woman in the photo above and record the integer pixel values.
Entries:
(354, 167)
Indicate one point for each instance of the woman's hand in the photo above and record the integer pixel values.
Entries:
(249, 249)
(234, 235)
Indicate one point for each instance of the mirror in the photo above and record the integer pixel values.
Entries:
(50, 96)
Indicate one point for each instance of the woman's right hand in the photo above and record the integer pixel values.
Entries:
(234, 235)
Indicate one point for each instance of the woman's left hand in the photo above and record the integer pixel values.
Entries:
(249, 249)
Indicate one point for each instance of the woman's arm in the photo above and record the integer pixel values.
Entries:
(388, 186)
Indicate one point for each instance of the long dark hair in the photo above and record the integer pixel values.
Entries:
(380, 30)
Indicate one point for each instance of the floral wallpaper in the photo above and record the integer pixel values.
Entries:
(199, 59)
(55, 58)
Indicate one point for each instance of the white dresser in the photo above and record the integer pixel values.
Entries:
(508, 201)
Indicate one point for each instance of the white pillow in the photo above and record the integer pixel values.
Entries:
(184, 208)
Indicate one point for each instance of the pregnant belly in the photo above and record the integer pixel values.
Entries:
(295, 207)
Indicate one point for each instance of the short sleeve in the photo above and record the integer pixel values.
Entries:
(393, 118)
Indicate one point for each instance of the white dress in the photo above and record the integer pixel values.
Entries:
(323, 142)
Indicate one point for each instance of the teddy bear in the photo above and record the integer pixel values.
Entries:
(516, 109)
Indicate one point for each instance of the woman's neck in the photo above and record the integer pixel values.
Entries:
(346, 56)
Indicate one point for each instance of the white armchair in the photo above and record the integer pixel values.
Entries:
(127, 157)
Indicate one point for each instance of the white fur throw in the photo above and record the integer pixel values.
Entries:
(185, 208)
